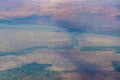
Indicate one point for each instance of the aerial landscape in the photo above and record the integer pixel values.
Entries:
(59, 39)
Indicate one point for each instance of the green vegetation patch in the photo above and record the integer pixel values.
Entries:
(116, 65)
(32, 71)
(102, 48)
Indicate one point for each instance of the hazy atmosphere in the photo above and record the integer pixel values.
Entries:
(59, 39)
